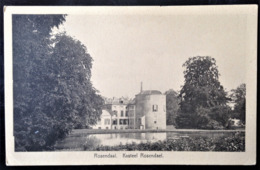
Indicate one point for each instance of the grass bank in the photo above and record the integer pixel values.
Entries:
(107, 131)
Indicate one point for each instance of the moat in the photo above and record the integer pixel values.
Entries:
(78, 138)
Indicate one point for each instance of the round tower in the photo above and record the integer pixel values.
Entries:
(150, 110)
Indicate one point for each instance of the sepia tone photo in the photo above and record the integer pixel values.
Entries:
(154, 81)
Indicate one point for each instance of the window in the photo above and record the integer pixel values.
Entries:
(99, 127)
(107, 121)
(164, 108)
(126, 113)
(122, 113)
(155, 107)
(115, 113)
(121, 121)
(114, 122)
(106, 127)
(154, 122)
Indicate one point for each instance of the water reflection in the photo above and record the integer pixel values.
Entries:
(124, 138)
(76, 142)
(177, 135)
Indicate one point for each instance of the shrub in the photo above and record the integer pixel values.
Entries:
(184, 121)
(91, 143)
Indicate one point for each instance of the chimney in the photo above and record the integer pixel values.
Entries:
(141, 86)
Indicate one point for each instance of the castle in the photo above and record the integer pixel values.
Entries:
(146, 111)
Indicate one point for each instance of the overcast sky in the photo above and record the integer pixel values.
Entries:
(129, 49)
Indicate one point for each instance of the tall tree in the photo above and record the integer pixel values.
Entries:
(52, 88)
(31, 40)
(73, 65)
(172, 106)
(201, 92)
(239, 98)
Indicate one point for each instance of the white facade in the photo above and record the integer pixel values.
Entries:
(105, 121)
(120, 119)
(146, 111)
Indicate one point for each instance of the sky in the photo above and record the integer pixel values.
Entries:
(130, 49)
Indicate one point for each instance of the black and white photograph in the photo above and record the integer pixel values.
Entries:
(126, 84)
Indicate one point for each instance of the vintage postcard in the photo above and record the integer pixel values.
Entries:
(130, 85)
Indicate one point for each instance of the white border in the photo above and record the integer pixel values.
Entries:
(86, 158)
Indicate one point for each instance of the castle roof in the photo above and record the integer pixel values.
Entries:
(131, 102)
(117, 101)
(149, 92)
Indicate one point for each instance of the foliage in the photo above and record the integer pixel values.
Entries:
(232, 143)
(73, 64)
(172, 106)
(222, 115)
(235, 142)
(185, 121)
(213, 124)
(201, 93)
(238, 96)
(91, 143)
(201, 117)
(52, 88)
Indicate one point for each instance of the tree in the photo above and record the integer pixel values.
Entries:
(73, 64)
(201, 92)
(222, 115)
(238, 97)
(52, 88)
(31, 39)
(172, 106)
